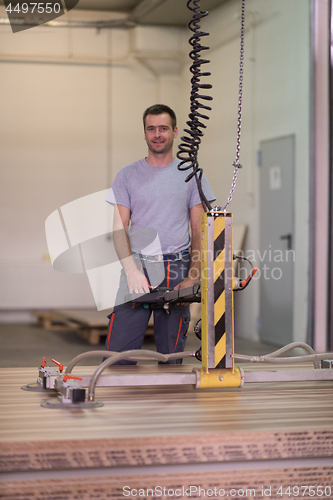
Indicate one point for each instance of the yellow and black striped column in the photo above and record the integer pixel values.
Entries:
(216, 291)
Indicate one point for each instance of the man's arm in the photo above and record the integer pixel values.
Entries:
(195, 265)
(137, 282)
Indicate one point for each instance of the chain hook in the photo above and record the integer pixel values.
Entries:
(236, 163)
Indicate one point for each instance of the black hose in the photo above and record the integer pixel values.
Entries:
(251, 275)
(188, 149)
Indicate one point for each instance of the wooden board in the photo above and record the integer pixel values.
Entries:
(181, 424)
(162, 427)
(284, 482)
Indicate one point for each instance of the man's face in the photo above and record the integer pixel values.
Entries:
(159, 134)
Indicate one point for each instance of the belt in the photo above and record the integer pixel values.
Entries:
(162, 257)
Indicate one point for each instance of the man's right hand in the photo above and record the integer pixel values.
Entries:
(137, 282)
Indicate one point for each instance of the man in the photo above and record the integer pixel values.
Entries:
(153, 208)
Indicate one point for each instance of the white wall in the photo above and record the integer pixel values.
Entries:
(71, 105)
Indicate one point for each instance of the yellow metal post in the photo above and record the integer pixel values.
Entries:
(217, 309)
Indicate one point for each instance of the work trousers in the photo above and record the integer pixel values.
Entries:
(128, 321)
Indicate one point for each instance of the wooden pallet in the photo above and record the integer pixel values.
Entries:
(89, 324)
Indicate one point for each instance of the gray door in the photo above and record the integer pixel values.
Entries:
(276, 254)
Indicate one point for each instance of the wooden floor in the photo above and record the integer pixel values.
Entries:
(260, 436)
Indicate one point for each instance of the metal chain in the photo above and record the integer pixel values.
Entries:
(236, 163)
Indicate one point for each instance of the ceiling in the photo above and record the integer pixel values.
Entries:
(119, 13)
(163, 12)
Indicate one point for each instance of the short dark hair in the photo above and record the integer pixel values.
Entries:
(158, 109)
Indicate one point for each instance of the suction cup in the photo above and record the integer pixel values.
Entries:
(35, 387)
(57, 405)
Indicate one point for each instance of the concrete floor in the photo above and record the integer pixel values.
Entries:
(24, 345)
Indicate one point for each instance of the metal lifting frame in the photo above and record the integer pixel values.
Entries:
(217, 337)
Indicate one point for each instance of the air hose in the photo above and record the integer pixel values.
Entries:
(189, 147)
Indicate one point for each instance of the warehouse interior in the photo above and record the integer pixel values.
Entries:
(68, 94)
(72, 95)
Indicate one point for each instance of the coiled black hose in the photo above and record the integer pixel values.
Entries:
(188, 149)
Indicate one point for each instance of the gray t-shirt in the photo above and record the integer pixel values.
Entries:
(160, 201)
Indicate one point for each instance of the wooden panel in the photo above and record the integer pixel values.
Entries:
(166, 424)
(260, 436)
(260, 483)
